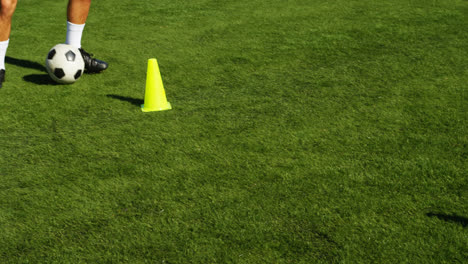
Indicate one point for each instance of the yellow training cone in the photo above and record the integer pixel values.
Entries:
(155, 96)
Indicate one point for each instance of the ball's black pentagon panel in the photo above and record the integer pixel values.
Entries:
(78, 74)
(59, 73)
(51, 54)
(70, 55)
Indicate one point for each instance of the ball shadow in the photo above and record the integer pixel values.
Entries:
(40, 79)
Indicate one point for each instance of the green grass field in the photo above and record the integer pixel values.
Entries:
(302, 131)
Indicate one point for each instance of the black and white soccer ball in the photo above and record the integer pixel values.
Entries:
(64, 63)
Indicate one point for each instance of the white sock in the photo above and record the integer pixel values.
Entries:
(74, 33)
(3, 49)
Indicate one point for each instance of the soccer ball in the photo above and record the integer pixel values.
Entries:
(64, 63)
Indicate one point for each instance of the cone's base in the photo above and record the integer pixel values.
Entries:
(167, 107)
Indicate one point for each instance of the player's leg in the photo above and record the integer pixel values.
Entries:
(77, 14)
(7, 8)
(78, 10)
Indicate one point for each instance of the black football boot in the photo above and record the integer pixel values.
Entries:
(92, 65)
(2, 77)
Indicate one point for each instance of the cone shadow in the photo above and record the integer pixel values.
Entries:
(133, 101)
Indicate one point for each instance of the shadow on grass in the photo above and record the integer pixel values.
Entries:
(450, 218)
(40, 79)
(133, 101)
(25, 63)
